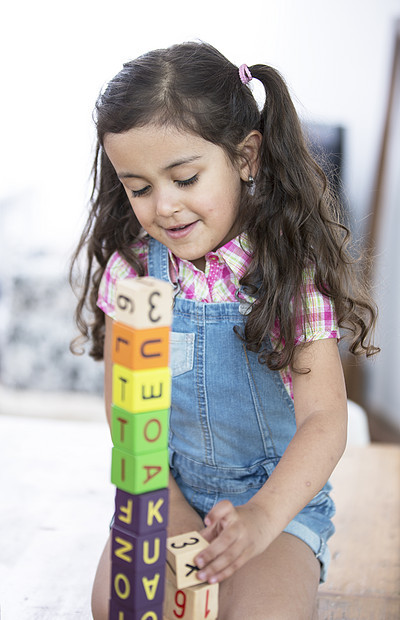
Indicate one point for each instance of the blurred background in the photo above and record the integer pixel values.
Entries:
(339, 60)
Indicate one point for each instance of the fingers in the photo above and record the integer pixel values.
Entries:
(231, 546)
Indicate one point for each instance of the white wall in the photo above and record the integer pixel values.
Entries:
(55, 57)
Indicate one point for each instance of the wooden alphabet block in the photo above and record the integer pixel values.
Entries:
(195, 603)
(137, 590)
(143, 303)
(141, 514)
(138, 391)
(181, 551)
(139, 433)
(141, 473)
(139, 349)
(138, 552)
(119, 612)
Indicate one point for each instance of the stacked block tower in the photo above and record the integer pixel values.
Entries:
(145, 564)
(141, 396)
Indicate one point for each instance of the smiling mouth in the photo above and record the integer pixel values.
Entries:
(180, 227)
(180, 231)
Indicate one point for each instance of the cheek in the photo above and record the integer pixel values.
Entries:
(140, 213)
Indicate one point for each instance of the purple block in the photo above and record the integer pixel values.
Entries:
(120, 612)
(137, 591)
(143, 513)
(138, 553)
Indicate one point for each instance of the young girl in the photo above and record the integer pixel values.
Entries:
(195, 185)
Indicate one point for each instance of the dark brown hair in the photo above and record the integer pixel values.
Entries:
(293, 220)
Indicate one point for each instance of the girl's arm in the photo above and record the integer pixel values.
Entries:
(182, 517)
(237, 534)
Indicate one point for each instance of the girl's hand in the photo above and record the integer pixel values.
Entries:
(235, 534)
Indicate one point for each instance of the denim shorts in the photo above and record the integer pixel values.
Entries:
(312, 525)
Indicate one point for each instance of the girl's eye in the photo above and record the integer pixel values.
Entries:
(136, 193)
(188, 182)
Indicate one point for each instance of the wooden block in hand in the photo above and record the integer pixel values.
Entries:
(195, 603)
(139, 349)
(138, 391)
(181, 551)
(139, 433)
(141, 514)
(143, 303)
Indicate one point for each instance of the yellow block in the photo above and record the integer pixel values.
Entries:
(137, 391)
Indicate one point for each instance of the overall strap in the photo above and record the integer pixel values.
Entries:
(158, 261)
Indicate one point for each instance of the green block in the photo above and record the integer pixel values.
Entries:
(139, 474)
(139, 433)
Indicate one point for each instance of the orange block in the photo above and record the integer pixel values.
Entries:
(140, 349)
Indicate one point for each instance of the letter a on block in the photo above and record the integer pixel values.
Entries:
(150, 586)
(144, 303)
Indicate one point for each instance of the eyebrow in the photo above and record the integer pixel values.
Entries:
(175, 164)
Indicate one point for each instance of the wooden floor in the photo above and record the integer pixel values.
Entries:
(364, 577)
(57, 501)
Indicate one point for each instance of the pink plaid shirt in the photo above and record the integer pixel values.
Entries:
(219, 283)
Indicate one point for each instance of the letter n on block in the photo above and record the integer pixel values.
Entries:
(138, 553)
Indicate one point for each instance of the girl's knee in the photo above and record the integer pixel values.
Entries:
(101, 585)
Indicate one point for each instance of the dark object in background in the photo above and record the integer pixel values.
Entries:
(326, 143)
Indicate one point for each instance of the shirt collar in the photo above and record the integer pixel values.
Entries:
(236, 254)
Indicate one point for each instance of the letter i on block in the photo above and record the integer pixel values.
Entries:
(139, 469)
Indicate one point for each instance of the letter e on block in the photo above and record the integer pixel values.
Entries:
(143, 303)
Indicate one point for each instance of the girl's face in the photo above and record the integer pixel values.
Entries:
(184, 190)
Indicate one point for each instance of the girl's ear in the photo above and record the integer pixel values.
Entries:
(250, 155)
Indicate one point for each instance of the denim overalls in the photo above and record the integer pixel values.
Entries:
(231, 417)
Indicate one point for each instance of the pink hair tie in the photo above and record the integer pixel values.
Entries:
(244, 74)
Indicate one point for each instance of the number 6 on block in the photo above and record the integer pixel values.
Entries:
(195, 603)
(143, 303)
(181, 551)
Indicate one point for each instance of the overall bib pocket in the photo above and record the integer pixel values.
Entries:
(181, 352)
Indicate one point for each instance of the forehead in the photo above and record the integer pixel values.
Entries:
(159, 146)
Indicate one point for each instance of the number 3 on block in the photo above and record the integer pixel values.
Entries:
(143, 303)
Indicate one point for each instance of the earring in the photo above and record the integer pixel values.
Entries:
(251, 184)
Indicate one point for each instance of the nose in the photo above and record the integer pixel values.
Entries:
(166, 203)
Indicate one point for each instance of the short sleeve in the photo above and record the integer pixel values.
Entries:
(118, 269)
(320, 322)
(321, 316)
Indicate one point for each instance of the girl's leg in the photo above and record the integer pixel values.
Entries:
(279, 584)
(102, 584)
